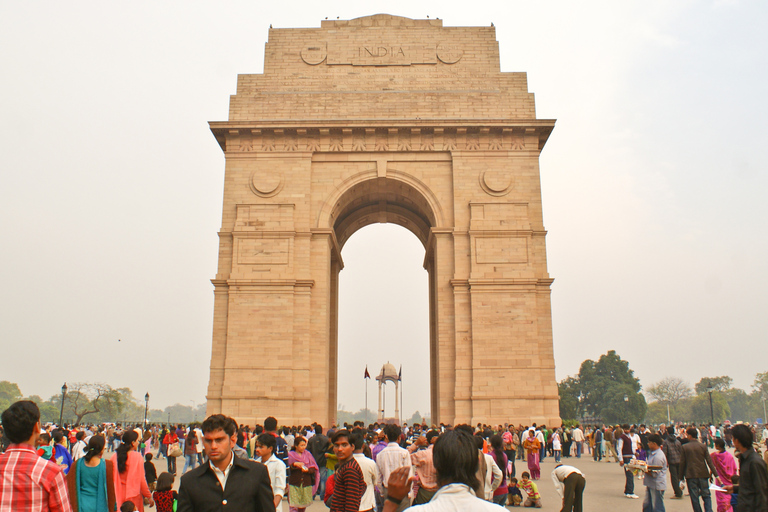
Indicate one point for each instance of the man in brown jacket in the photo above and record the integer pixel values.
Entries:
(697, 468)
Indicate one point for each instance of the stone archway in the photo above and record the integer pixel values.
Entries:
(380, 119)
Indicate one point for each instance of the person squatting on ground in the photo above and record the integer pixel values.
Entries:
(533, 497)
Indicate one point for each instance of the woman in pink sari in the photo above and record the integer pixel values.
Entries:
(303, 479)
(532, 446)
(726, 468)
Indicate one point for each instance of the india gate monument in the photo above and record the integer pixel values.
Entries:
(371, 120)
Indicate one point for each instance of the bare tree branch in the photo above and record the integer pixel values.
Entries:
(670, 390)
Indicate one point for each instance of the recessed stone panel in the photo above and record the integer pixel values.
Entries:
(501, 250)
(263, 251)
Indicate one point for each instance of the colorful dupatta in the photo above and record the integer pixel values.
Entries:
(726, 467)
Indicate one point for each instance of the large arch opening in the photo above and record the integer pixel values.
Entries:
(383, 318)
(400, 200)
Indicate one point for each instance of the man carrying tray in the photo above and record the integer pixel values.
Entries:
(655, 479)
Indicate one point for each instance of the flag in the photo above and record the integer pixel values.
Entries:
(367, 375)
(400, 375)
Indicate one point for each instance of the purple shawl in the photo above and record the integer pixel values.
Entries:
(309, 461)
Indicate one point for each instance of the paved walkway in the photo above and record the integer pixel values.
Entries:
(604, 490)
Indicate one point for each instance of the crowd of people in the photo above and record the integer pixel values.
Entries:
(355, 468)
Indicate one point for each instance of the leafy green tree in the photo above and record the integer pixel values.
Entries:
(9, 393)
(739, 404)
(700, 409)
(656, 413)
(600, 388)
(569, 398)
(48, 412)
(718, 383)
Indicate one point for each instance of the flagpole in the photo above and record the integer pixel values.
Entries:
(366, 376)
(366, 403)
(402, 407)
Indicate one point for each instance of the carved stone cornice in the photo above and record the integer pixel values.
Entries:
(358, 136)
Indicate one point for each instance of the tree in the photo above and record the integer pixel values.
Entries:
(84, 399)
(9, 393)
(670, 390)
(700, 410)
(569, 398)
(761, 385)
(739, 405)
(600, 388)
(718, 383)
(656, 414)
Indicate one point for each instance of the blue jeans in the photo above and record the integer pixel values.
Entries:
(501, 499)
(654, 500)
(699, 487)
(321, 485)
(578, 448)
(191, 462)
(557, 455)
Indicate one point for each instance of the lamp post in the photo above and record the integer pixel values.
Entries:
(63, 396)
(146, 408)
(710, 389)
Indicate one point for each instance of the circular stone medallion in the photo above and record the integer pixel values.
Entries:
(496, 183)
(265, 183)
(314, 54)
(449, 54)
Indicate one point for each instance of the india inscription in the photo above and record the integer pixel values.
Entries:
(383, 119)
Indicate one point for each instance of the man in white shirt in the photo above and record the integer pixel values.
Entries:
(370, 471)
(391, 458)
(578, 437)
(637, 443)
(79, 448)
(493, 475)
(265, 449)
(199, 445)
(569, 484)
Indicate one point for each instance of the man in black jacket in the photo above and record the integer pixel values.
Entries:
(226, 482)
(672, 450)
(753, 476)
(318, 445)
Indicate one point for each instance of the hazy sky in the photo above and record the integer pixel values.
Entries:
(111, 187)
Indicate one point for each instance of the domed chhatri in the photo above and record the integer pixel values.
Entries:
(388, 373)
